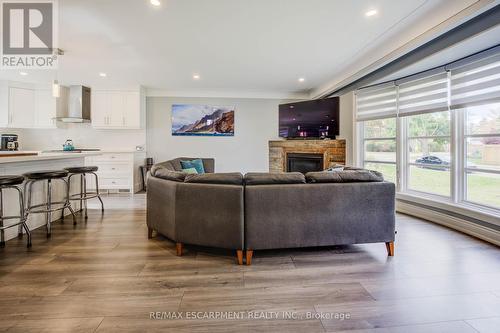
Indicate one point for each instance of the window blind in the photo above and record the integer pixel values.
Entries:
(423, 94)
(376, 102)
(476, 83)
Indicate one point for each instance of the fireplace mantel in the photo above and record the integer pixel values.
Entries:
(333, 152)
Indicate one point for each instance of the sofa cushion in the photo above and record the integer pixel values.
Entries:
(263, 178)
(197, 164)
(355, 168)
(167, 174)
(345, 176)
(233, 178)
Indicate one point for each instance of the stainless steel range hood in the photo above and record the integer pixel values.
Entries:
(78, 109)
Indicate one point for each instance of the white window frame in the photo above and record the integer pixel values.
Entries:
(457, 201)
(462, 198)
(361, 146)
(406, 161)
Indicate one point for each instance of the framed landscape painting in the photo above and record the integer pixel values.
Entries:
(191, 119)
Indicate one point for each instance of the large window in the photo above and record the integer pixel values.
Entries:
(379, 147)
(428, 153)
(437, 134)
(482, 154)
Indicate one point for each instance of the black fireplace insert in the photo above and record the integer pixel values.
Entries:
(304, 162)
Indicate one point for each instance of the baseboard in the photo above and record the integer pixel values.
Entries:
(454, 222)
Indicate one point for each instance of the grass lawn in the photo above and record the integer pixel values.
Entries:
(481, 187)
(484, 188)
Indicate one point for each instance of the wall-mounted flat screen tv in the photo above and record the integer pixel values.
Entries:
(310, 119)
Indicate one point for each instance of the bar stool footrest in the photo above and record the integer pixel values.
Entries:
(83, 197)
(10, 218)
(63, 204)
(12, 225)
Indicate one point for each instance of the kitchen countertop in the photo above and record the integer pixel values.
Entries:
(41, 156)
(106, 150)
(133, 151)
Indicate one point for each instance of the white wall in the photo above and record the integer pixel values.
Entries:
(346, 125)
(83, 136)
(256, 122)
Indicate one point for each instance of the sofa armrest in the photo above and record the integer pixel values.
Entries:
(210, 215)
(160, 213)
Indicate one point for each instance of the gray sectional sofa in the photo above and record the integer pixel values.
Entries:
(269, 211)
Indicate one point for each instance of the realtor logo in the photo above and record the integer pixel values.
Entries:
(29, 33)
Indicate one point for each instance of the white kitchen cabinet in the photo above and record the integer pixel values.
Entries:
(132, 118)
(21, 107)
(4, 104)
(117, 171)
(116, 109)
(26, 106)
(45, 109)
(99, 109)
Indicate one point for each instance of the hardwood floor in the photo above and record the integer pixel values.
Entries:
(106, 275)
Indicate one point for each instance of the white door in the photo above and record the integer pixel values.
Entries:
(132, 110)
(21, 107)
(45, 109)
(100, 109)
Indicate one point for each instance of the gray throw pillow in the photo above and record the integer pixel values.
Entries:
(335, 168)
(264, 178)
(233, 178)
(167, 174)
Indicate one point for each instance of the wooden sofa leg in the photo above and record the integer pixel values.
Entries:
(178, 248)
(249, 257)
(150, 233)
(390, 248)
(239, 256)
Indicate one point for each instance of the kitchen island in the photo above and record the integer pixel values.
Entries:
(18, 163)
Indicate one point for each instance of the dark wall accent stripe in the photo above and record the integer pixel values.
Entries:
(474, 26)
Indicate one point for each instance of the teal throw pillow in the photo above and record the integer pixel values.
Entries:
(197, 164)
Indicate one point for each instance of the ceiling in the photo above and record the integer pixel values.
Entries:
(238, 47)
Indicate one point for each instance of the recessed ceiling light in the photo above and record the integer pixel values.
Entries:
(301, 79)
(371, 13)
(196, 76)
(103, 74)
(23, 73)
(156, 3)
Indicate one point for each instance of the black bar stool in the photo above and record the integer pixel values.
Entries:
(49, 206)
(83, 196)
(11, 182)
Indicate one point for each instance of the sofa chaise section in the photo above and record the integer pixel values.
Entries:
(318, 214)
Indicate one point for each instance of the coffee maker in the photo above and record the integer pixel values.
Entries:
(9, 142)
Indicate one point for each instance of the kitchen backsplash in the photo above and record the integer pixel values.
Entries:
(83, 135)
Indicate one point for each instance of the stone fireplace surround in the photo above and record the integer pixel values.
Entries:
(333, 152)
